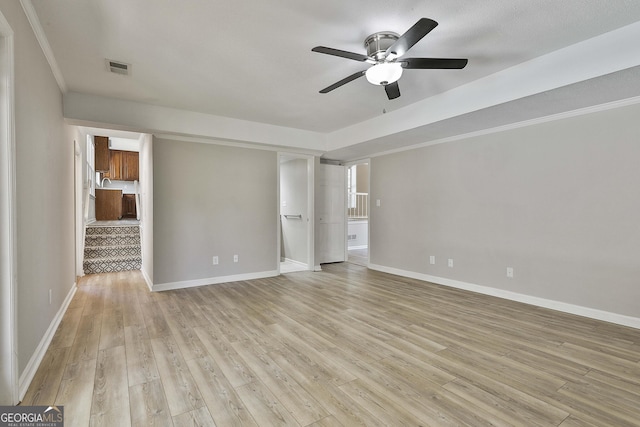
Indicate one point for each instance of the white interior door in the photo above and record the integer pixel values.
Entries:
(332, 219)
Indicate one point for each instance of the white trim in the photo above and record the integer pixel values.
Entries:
(592, 313)
(239, 144)
(147, 279)
(213, 280)
(34, 363)
(511, 126)
(8, 251)
(358, 247)
(32, 16)
(278, 217)
(298, 263)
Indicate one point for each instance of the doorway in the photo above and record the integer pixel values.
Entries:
(295, 213)
(132, 181)
(358, 212)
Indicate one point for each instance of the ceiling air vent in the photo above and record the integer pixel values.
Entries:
(119, 67)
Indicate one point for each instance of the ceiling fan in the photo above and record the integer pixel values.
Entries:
(384, 51)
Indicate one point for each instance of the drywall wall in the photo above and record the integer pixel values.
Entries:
(211, 200)
(362, 178)
(44, 189)
(294, 201)
(558, 202)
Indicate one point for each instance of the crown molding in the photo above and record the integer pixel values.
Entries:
(32, 16)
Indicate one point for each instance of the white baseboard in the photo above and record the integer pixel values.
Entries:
(34, 363)
(147, 279)
(213, 280)
(293, 261)
(358, 247)
(591, 313)
(317, 267)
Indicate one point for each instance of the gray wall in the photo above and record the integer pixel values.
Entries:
(44, 189)
(362, 178)
(212, 200)
(559, 202)
(293, 192)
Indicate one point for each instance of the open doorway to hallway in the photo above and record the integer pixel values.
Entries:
(358, 213)
(295, 172)
(113, 201)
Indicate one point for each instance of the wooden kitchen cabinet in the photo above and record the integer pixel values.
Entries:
(108, 204)
(128, 206)
(130, 165)
(101, 160)
(123, 166)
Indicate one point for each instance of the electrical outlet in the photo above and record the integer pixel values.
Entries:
(235, 258)
(378, 202)
(510, 272)
(432, 260)
(450, 263)
(215, 260)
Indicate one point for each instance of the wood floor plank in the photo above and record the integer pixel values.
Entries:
(196, 418)
(66, 332)
(141, 364)
(87, 339)
(112, 330)
(225, 406)
(154, 320)
(319, 383)
(186, 338)
(234, 368)
(149, 405)
(110, 401)
(621, 405)
(572, 421)
(76, 392)
(295, 398)
(131, 310)
(295, 346)
(264, 406)
(329, 421)
(45, 383)
(180, 388)
(379, 405)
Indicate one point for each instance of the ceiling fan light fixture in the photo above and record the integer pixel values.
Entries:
(384, 73)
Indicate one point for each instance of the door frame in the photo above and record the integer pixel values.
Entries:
(8, 246)
(310, 208)
(78, 199)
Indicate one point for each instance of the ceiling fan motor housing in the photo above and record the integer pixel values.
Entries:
(378, 43)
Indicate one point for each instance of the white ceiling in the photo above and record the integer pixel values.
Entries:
(252, 60)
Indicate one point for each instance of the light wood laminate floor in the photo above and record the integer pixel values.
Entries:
(346, 346)
(358, 256)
